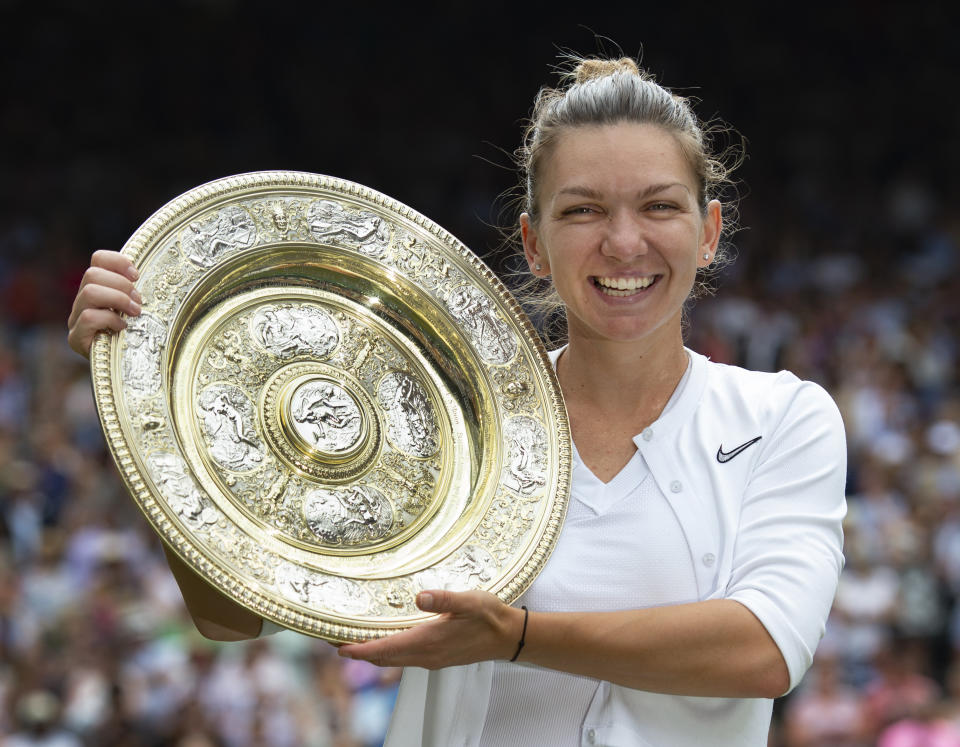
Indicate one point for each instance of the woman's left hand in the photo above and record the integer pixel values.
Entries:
(473, 626)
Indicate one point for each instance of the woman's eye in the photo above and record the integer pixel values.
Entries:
(579, 210)
(660, 206)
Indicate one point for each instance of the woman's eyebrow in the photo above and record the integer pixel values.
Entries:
(584, 191)
(579, 191)
(655, 188)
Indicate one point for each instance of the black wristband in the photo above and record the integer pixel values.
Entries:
(523, 634)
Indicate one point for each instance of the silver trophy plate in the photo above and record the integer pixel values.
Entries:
(329, 404)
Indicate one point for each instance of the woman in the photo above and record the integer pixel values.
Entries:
(701, 551)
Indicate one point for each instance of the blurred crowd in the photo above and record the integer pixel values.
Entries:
(847, 275)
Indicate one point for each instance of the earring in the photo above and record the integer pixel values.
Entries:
(706, 255)
(538, 267)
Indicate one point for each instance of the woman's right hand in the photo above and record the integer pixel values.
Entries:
(105, 293)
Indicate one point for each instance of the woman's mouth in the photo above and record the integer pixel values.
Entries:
(623, 286)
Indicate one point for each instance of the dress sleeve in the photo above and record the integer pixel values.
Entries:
(789, 549)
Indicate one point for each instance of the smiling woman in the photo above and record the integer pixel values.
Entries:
(701, 550)
(604, 92)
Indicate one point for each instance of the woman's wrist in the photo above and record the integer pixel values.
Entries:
(523, 634)
(513, 628)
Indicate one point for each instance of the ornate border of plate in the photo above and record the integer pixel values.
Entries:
(225, 227)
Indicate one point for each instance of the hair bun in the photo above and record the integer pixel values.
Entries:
(594, 67)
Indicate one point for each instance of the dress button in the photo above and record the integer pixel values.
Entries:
(676, 486)
(591, 736)
(647, 434)
(709, 559)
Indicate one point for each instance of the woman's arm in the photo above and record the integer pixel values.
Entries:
(712, 648)
(784, 572)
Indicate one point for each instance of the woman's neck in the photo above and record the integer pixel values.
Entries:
(621, 380)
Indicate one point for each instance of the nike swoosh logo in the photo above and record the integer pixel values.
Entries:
(725, 456)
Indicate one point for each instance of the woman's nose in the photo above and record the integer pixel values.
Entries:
(624, 238)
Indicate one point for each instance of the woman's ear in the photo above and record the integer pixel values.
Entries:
(536, 259)
(710, 235)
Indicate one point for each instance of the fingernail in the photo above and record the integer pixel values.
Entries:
(425, 601)
(134, 308)
(135, 295)
(345, 654)
(132, 273)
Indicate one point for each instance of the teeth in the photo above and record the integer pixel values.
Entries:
(627, 284)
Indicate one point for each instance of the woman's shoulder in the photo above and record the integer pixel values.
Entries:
(768, 394)
(795, 422)
(729, 374)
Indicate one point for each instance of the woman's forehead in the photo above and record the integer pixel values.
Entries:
(628, 155)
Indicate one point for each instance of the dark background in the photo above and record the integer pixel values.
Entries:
(110, 110)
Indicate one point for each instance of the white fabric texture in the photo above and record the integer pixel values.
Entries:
(762, 528)
(593, 568)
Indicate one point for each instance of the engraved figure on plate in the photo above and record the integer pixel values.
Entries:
(471, 567)
(323, 592)
(489, 333)
(287, 331)
(177, 487)
(145, 336)
(526, 469)
(279, 215)
(355, 515)
(227, 416)
(286, 215)
(328, 418)
(330, 221)
(412, 427)
(206, 241)
(409, 254)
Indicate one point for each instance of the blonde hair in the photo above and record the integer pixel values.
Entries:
(596, 91)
